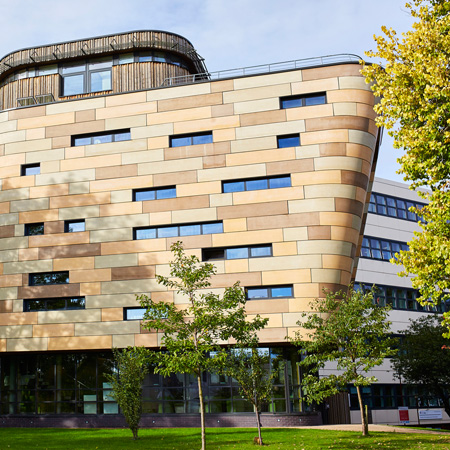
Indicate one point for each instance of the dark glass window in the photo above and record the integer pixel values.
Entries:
(191, 139)
(154, 193)
(289, 140)
(253, 184)
(386, 205)
(178, 230)
(101, 138)
(34, 229)
(74, 226)
(253, 251)
(30, 169)
(295, 101)
(376, 248)
(45, 278)
(253, 293)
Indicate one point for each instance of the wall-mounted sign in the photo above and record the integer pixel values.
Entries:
(430, 414)
(403, 414)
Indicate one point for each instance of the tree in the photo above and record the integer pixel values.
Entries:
(192, 336)
(423, 358)
(249, 366)
(415, 108)
(126, 383)
(346, 328)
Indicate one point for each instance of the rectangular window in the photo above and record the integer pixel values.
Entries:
(159, 193)
(252, 251)
(295, 101)
(34, 229)
(386, 205)
(74, 226)
(288, 140)
(101, 138)
(191, 139)
(30, 169)
(254, 184)
(133, 313)
(46, 278)
(54, 304)
(269, 292)
(178, 230)
(383, 249)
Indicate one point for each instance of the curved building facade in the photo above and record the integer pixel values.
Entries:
(266, 174)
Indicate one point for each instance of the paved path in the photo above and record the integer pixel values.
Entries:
(386, 428)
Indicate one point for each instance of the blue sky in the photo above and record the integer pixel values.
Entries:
(227, 33)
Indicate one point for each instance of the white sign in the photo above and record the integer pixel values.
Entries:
(430, 414)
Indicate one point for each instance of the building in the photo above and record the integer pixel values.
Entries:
(114, 147)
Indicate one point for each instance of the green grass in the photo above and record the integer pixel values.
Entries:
(217, 438)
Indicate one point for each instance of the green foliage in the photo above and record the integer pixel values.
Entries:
(132, 366)
(424, 359)
(348, 329)
(415, 108)
(192, 335)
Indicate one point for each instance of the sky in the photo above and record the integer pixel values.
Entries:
(228, 34)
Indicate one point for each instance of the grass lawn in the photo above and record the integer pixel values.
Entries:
(217, 438)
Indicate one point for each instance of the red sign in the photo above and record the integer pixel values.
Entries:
(403, 414)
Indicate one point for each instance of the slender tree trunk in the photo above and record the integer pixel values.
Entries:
(202, 409)
(258, 424)
(365, 427)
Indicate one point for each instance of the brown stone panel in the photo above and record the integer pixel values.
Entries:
(283, 221)
(349, 205)
(146, 340)
(165, 179)
(112, 314)
(337, 122)
(193, 151)
(59, 239)
(6, 306)
(80, 343)
(120, 209)
(354, 178)
(103, 173)
(28, 254)
(28, 318)
(267, 306)
(345, 234)
(176, 204)
(132, 273)
(341, 70)
(228, 279)
(319, 232)
(292, 166)
(25, 113)
(11, 280)
(4, 207)
(38, 216)
(54, 227)
(260, 118)
(2, 345)
(75, 128)
(69, 251)
(57, 290)
(360, 151)
(333, 149)
(68, 201)
(89, 276)
(337, 262)
(85, 116)
(192, 101)
(260, 209)
(209, 162)
(7, 231)
(52, 330)
(201, 241)
(61, 142)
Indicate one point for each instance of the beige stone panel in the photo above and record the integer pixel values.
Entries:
(81, 187)
(29, 205)
(131, 286)
(303, 304)
(236, 266)
(59, 239)
(9, 171)
(116, 147)
(65, 177)
(61, 141)
(216, 200)
(161, 218)
(79, 212)
(9, 293)
(93, 162)
(28, 146)
(19, 182)
(123, 340)
(144, 245)
(19, 230)
(28, 254)
(344, 109)
(222, 110)
(94, 288)
(12, 160)
(73, 263)
(103, 173)
(111, 235)
(170, 166)
(326, 276)
(356, 82)
(26, 345)
(233, 225)
(13, 243)
(313, 178)
(104, 328)
(177, 92)
(285, 263)
(214, 123)
(338, 162)
(351, 95)
(79, 200)
(310, 112)
(237, 159)
(131, 121)
(16, 331)
(308, 87)
(125, 99)
(335, 190)
(142, 157)
(187, 190)
(8, 125)
(319, 137)
(146, 340)
(257, 93)
(16, 194)
(194, 215)
(265, 196)
(35, 133)
(79, 343)
(253, 106)
(344, 234)
(235, 172)
(9, 219)
(340, 219)
(250, 145)
(295, 126)
(165, 129)
(75, 316)
(337, 262)
(9, 255)
(365, 111)
(325, 247)
(12, 136)
(224, 135)
(11, 280)
(50, 166)
(46, 121)
(266, 306)
(290, 319)
(121, 183)
(179, 115)
(74, 152)
(147, 259)
(45, 156)
(118, 209)
(362, 137)
(222, 85)
(247, 238)
(284, 248)
(67, 329)
(268, 80)
(76, 105)
(157, 142)
(85, 116)
(107, 223)
(311, 205)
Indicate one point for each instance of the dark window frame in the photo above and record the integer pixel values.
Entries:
(288, 136)
(68, 223)
(201, 224)
(32, 278)
(131, 308)
(205, 252)
(270, 288)
(300, 101)
(249, 180)
(27, 230)
(192, 137)
(28, 301)
(377, 245)
(24, 169)
(393, 207)
(92, 136)
(156, 190)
